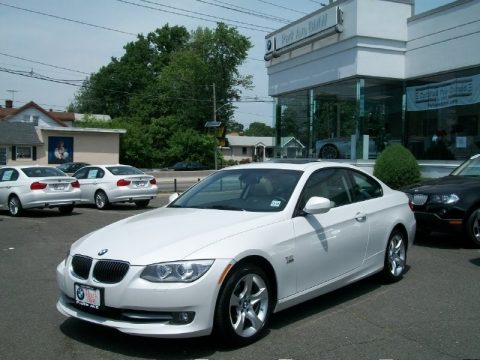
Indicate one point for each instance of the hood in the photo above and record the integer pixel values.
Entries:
(168, 234)
(446, 184)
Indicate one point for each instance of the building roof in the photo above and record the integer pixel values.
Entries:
(269, 141)
(58, 117)
(18, 134)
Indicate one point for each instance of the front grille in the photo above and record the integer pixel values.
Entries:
(419, 199)
(110, 271)
(81, 266)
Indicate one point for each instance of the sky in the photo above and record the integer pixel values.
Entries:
(69, 39)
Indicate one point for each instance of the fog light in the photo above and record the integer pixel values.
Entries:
(184, 317)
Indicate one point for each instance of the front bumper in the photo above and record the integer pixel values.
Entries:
(433, 222)
(154, 301)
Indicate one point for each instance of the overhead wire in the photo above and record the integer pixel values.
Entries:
(282, 7)
(255, 12)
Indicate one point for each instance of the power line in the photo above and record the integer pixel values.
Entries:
(255, 13)
(42, 63)
(282, 7)
(189, 16)
(67, 19)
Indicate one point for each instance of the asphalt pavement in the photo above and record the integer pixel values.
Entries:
(433, 313)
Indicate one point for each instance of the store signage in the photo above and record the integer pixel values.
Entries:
(312, 25)
(460, 91)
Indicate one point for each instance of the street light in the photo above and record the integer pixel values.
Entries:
(213, 125)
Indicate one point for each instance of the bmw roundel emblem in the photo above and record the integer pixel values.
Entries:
(80, 293)
(269, 45)
(102, 252)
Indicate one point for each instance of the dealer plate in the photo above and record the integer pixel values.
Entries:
(89, 296)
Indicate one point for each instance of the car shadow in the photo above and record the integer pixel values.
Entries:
(440, 241)
(118, 207)
(42, 213)
(204, 347)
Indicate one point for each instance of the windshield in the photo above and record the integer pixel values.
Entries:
(264, 190)
(471, 167)
(42, 172)
(124, 170)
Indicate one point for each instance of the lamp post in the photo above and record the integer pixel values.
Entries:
(213, 125)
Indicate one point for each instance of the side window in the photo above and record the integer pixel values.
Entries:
(328, 183)
(8, 175)
(100, 174)
(81, 174)
(365, 187)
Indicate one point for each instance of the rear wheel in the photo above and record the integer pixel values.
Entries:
(329, 151)
(473, 228)
(142, 203)
(395, 257)
(15, 206)
(101, 200)
(244, 306)
(66, 210)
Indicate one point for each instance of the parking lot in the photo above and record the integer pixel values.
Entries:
(433, 313)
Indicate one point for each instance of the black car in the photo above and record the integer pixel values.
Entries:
(71, 167)
(450, 204)
(189, 166)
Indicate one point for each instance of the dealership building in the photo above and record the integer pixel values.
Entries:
(357, 75)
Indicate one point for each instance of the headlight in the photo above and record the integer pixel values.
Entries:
(179, 271)
(444, 199)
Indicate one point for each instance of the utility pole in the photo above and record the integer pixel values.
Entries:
(215, 120)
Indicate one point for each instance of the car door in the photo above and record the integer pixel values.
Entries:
(90, 178)
(8, 184)
(331, 244)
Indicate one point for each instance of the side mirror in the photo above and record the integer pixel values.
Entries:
(317, 205)
(172, 197)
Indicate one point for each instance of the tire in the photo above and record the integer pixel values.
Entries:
(472, 230)
(395, 257)
(101, 200)
(141, 204)
(66, 210)
(15, 206)
(329, 151)
(244, 306)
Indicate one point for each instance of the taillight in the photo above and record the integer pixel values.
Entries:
(76, 184)
(38, 186)
(153, 181)
(123, 182)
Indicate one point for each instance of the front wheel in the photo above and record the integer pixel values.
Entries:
(15, 206)
(244, 306)
(101, 200)
(395, 257)
(473, 228)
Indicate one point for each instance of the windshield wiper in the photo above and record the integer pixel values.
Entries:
(224, 207)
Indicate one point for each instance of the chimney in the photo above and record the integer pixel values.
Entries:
(8, 104)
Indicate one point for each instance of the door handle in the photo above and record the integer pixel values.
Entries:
(361, 217)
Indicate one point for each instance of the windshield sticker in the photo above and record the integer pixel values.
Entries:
(92, 174)
(7, 175)
(275, 203)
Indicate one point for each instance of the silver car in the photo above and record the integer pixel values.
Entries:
(103, 185)
(33, 186)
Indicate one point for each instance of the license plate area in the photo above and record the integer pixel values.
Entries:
(58, 187)
(89, 296)
(140, 183)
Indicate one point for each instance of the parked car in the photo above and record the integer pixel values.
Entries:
(189, 166)
(30, 187)
(71, 167)
(241, 244)
(450, 204)
(103, 185)
(339, 148)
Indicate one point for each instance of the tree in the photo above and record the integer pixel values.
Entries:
(259, 129)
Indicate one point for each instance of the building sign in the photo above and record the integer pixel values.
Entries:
(461, 91)
(60, 149)
(312, 25)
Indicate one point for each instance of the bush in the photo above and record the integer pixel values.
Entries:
(397, 167)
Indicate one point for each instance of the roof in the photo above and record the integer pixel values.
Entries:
(58, 117)
(18, 134)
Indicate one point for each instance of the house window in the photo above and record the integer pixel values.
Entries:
(244, 150)
(24, 152)
(31, 119)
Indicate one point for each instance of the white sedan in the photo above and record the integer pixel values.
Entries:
(33, 186)
(245, 242)
(103, 185)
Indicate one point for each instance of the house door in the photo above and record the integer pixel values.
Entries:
(3, 155)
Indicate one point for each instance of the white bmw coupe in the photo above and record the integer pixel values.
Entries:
(245, 242)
